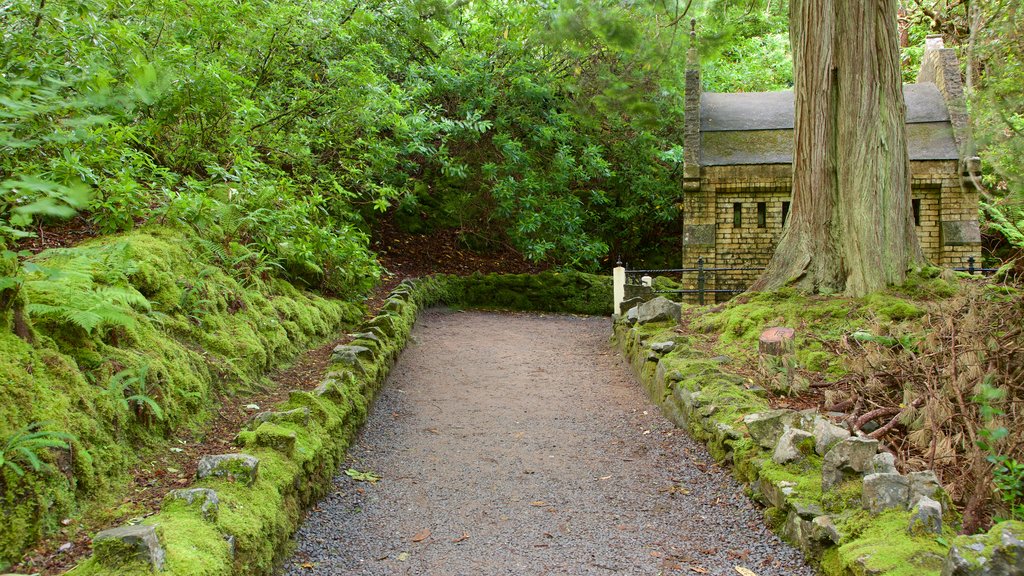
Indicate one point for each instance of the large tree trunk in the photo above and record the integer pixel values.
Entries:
(850, 228)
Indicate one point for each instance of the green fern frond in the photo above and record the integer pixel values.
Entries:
(26, 443)
(142, 399)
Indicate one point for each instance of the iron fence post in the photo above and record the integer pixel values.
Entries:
(700, 280)
(970, 265)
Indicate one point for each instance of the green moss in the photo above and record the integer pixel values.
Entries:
(891, 308)
(206, 335)
(926, 285)
(882, 545)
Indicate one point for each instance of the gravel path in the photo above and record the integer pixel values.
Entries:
(522, 444)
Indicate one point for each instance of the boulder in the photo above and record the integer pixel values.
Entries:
(885, 491)
(631, 315)
(825, 529)
(998, 553)
(882, 463)
(846, 459)
(925, 484)
(925, 517)
(349, 355)
(204, 499)
(241, 468)
(793, 445)
(385, 323)
(394, 305)
(662, 347)
(658, 310)
(372, 336)
(827, 435)
(123, 545)
(296, 416)
(767, 427)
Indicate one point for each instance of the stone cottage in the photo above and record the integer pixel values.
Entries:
(738, 172)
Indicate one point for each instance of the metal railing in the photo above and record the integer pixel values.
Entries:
(971, 269)
(635, 278)
(644, 277)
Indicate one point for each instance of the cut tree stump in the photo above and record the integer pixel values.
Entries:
(776, 341)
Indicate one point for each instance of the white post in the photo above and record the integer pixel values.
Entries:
(646, 281)
(618, 288)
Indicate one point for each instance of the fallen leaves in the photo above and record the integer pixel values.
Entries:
(421, 535)
(362, 476)
(463, 538)
(745, 571)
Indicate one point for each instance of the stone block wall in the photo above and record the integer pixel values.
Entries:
(946, 222)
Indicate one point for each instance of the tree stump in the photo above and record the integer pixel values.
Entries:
(776, 341)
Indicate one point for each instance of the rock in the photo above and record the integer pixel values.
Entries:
(350, 355)
(722, 359)
(385, 323)
(825, 529)
(793, 445)
(777, 493)
(882, 463)
(925, 484)
(394, 305)
(926, 517)
(827, 435)
(252, 407)
(807, 510)
(662, 347)
(631, 315)
(365, 336)
(658, 310)
(767, 427)
(331, 390)
(270, 435)
(847, 458)
(203, 498)
(776, 341)
(885, 491)
(296, 416)
(998, 553)
(125, 544)
(241, 468)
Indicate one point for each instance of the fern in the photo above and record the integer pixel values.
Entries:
(1001, 219)
(25, 446)
(87, 289)
(100, 307)
(129, 391)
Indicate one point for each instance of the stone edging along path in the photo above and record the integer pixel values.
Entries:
(836, 496)
(238, 516)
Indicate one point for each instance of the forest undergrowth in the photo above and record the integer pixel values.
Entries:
(933, 370)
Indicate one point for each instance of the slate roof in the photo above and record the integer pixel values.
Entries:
(757, 127)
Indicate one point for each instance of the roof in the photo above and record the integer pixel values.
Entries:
(757, 127)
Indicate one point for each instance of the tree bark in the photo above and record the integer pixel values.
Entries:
(850, 228)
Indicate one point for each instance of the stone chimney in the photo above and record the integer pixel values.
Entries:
(691, 123)
(939, 66)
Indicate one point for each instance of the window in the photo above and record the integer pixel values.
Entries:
(915, 204)
(785, 212)
(762, 215)
(737, 215)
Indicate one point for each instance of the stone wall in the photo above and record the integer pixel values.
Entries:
(735, 219)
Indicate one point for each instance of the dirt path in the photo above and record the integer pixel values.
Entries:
(521, 444)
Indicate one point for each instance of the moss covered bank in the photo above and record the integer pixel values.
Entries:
(131, 339)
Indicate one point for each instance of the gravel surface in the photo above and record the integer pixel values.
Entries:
(522, 444)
